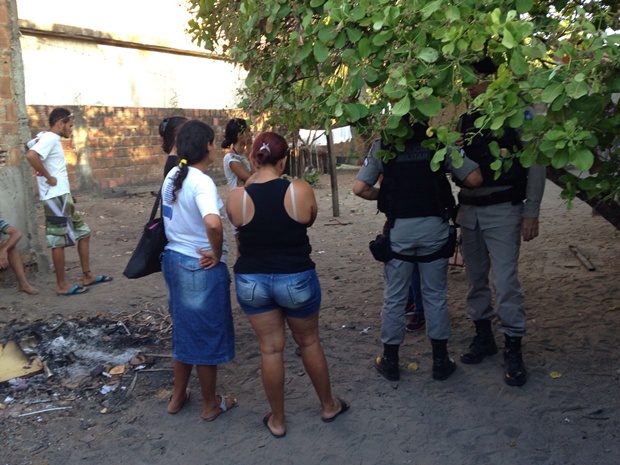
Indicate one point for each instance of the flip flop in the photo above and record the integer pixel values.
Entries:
(344, 406)
(173, 412)
(100, 279)
(222, 407)
(266, 423)
(75, 290)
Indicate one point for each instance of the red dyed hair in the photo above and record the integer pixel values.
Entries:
(269, 148)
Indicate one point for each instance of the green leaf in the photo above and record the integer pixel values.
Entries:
(304, 51)
(382, 38)
(556, 134)
(338, 110)
(429, 55)
(559, 102)
(428, 106)
(340, 41)
(364, 47)
(385, 155)
(508, 40)
(438, 157)
(511, 99)
(582, 158)
(326, 34)
(523, 6)
(315, 3)
(352, 112)
(452, 13)
(321, 52)
(448, 49)
(576, 89)
(587, 184)
(358, 13)
(516, 120)
(354, 34)
(462, 44)
(457, 159)
(431, 8)
(478, 43)
(579, 77)
(518, 65)
(498, 122)
(527, 157)
(552, 91)
(402, 107)
(560, 159)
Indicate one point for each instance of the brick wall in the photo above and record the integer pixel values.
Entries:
(116, 149)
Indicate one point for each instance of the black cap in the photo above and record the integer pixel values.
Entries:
(485, 66)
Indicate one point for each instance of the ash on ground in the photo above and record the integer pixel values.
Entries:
(91, 358)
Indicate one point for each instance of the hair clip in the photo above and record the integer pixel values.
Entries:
(266, 147)
(182, 162)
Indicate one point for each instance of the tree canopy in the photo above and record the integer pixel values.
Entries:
(378, 64)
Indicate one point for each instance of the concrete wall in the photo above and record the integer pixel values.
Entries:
(120, 53)
(17, 202)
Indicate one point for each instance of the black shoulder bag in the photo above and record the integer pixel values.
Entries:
(145, 258)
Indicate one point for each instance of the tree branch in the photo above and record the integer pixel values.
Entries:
(608, 209)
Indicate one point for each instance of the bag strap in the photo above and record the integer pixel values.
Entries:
(155, 205)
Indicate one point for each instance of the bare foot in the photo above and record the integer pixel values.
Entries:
(28, 289)
(210, 413)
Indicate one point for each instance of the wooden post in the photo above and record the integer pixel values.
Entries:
(332, 174)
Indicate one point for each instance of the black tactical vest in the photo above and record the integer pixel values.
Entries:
(411, 189)
(477, 149)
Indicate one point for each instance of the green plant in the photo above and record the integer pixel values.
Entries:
(374, 64)
(312, 176)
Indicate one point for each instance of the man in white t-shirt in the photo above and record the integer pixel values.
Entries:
(63, 226)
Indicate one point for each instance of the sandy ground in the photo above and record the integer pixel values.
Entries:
(472, 418)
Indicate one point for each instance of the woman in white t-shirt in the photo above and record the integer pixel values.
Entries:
(238, 138)
(196, 274)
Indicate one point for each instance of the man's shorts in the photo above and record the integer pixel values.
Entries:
(63, 226)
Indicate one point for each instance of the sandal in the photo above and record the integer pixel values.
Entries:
(173, 411)
(223, 407)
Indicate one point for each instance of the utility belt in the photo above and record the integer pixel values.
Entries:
(381, 249)
(508, 195)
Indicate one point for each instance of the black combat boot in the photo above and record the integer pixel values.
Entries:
(515, 373)
(482, 345)
(387, 364)
(443, 365)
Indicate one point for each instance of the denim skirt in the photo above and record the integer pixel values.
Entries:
(199, 302)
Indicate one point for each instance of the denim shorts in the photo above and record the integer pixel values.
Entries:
(297, 294)
(200, 307)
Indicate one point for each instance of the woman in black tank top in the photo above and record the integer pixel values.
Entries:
(275, 277)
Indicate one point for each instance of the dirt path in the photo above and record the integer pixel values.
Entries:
(473, 418)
